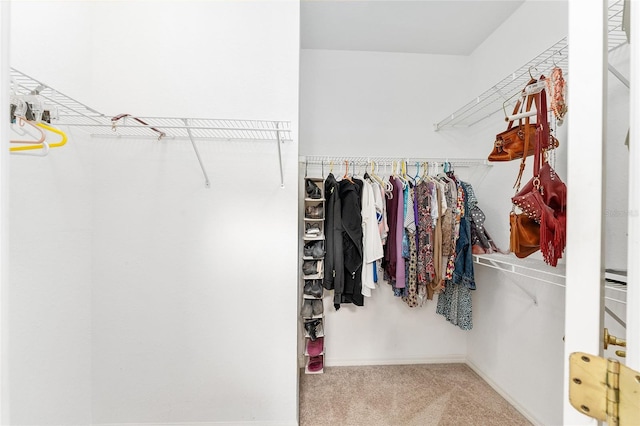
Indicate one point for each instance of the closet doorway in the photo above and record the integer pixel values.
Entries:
(368, 91)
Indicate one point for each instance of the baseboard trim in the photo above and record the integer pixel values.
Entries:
(504, 394)
(450, 359)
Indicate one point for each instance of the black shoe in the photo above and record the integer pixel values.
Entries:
(310, 267)
(313, 191)
(307, 309)
(313, 288)
(311, 326)
(314, 249)
(317, 307)
(314, 212)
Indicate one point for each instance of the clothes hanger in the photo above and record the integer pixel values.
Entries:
(354, 173)
(403, 172)
(346, 171)
(44, 147)
(60, 143)
(375, 169)
(21, 122)
(374, 176)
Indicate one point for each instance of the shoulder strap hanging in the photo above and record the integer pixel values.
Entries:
(542, 131)
(527, 141)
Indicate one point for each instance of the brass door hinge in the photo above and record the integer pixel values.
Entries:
(604, 389)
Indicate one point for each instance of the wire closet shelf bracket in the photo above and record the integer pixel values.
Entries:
(66, 111)
(502, 94)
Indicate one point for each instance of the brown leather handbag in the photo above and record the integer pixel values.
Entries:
(510, 144)
(525, 235)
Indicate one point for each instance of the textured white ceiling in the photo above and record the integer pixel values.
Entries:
(453, 27)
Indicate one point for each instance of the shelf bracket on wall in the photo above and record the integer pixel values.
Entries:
(207, 184)
(279, 141)
(613, 70)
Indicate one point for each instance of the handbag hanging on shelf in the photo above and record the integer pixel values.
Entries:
(525, 235)
(510, 144)
(543, 198)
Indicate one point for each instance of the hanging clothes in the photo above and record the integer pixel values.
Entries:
(371, 241)
(390, 249)
(411, 297)
(351, 241)
(425, 266)
(436, 285)
(399, 230)
(334, 258)
(455, 302)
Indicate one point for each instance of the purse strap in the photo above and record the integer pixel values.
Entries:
(520, 105)
(542, 130)
(527, 141)
(542, 135)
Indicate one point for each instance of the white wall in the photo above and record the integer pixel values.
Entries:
(516, 342)
(49, 291)
(194, 301)
(50, 288)
(188, 295)
(617, 163)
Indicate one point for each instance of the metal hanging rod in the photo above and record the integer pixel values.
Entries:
(455, 162)
(66, 111)
(491, 101)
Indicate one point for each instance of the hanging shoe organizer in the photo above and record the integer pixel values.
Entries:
(66, 111)
(312, 306)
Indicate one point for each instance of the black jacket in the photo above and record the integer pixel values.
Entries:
(333, 259)
(351, 242)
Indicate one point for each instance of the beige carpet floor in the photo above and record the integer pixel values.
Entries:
(423, 394)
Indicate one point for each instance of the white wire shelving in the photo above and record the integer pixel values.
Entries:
(66, 111)
(364, 161)
(540, 271)
(503, 94)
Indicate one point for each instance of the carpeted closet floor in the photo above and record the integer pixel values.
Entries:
(422, 394)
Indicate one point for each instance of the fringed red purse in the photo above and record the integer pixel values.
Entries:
(544, 197)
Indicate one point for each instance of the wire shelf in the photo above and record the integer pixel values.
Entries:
(71, 112)
(503, 92)
(455, 162)
(540, 271)
(66, 111)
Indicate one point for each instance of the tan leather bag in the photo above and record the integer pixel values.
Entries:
(525, 235)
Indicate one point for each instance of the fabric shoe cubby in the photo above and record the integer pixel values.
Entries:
(312, 274)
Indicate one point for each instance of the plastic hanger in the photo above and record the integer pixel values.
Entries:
(60, 143)
(346, 171)
(21, 122)
(417, 178)
(44, 147)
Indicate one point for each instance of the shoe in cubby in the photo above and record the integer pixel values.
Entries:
(315, 365)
